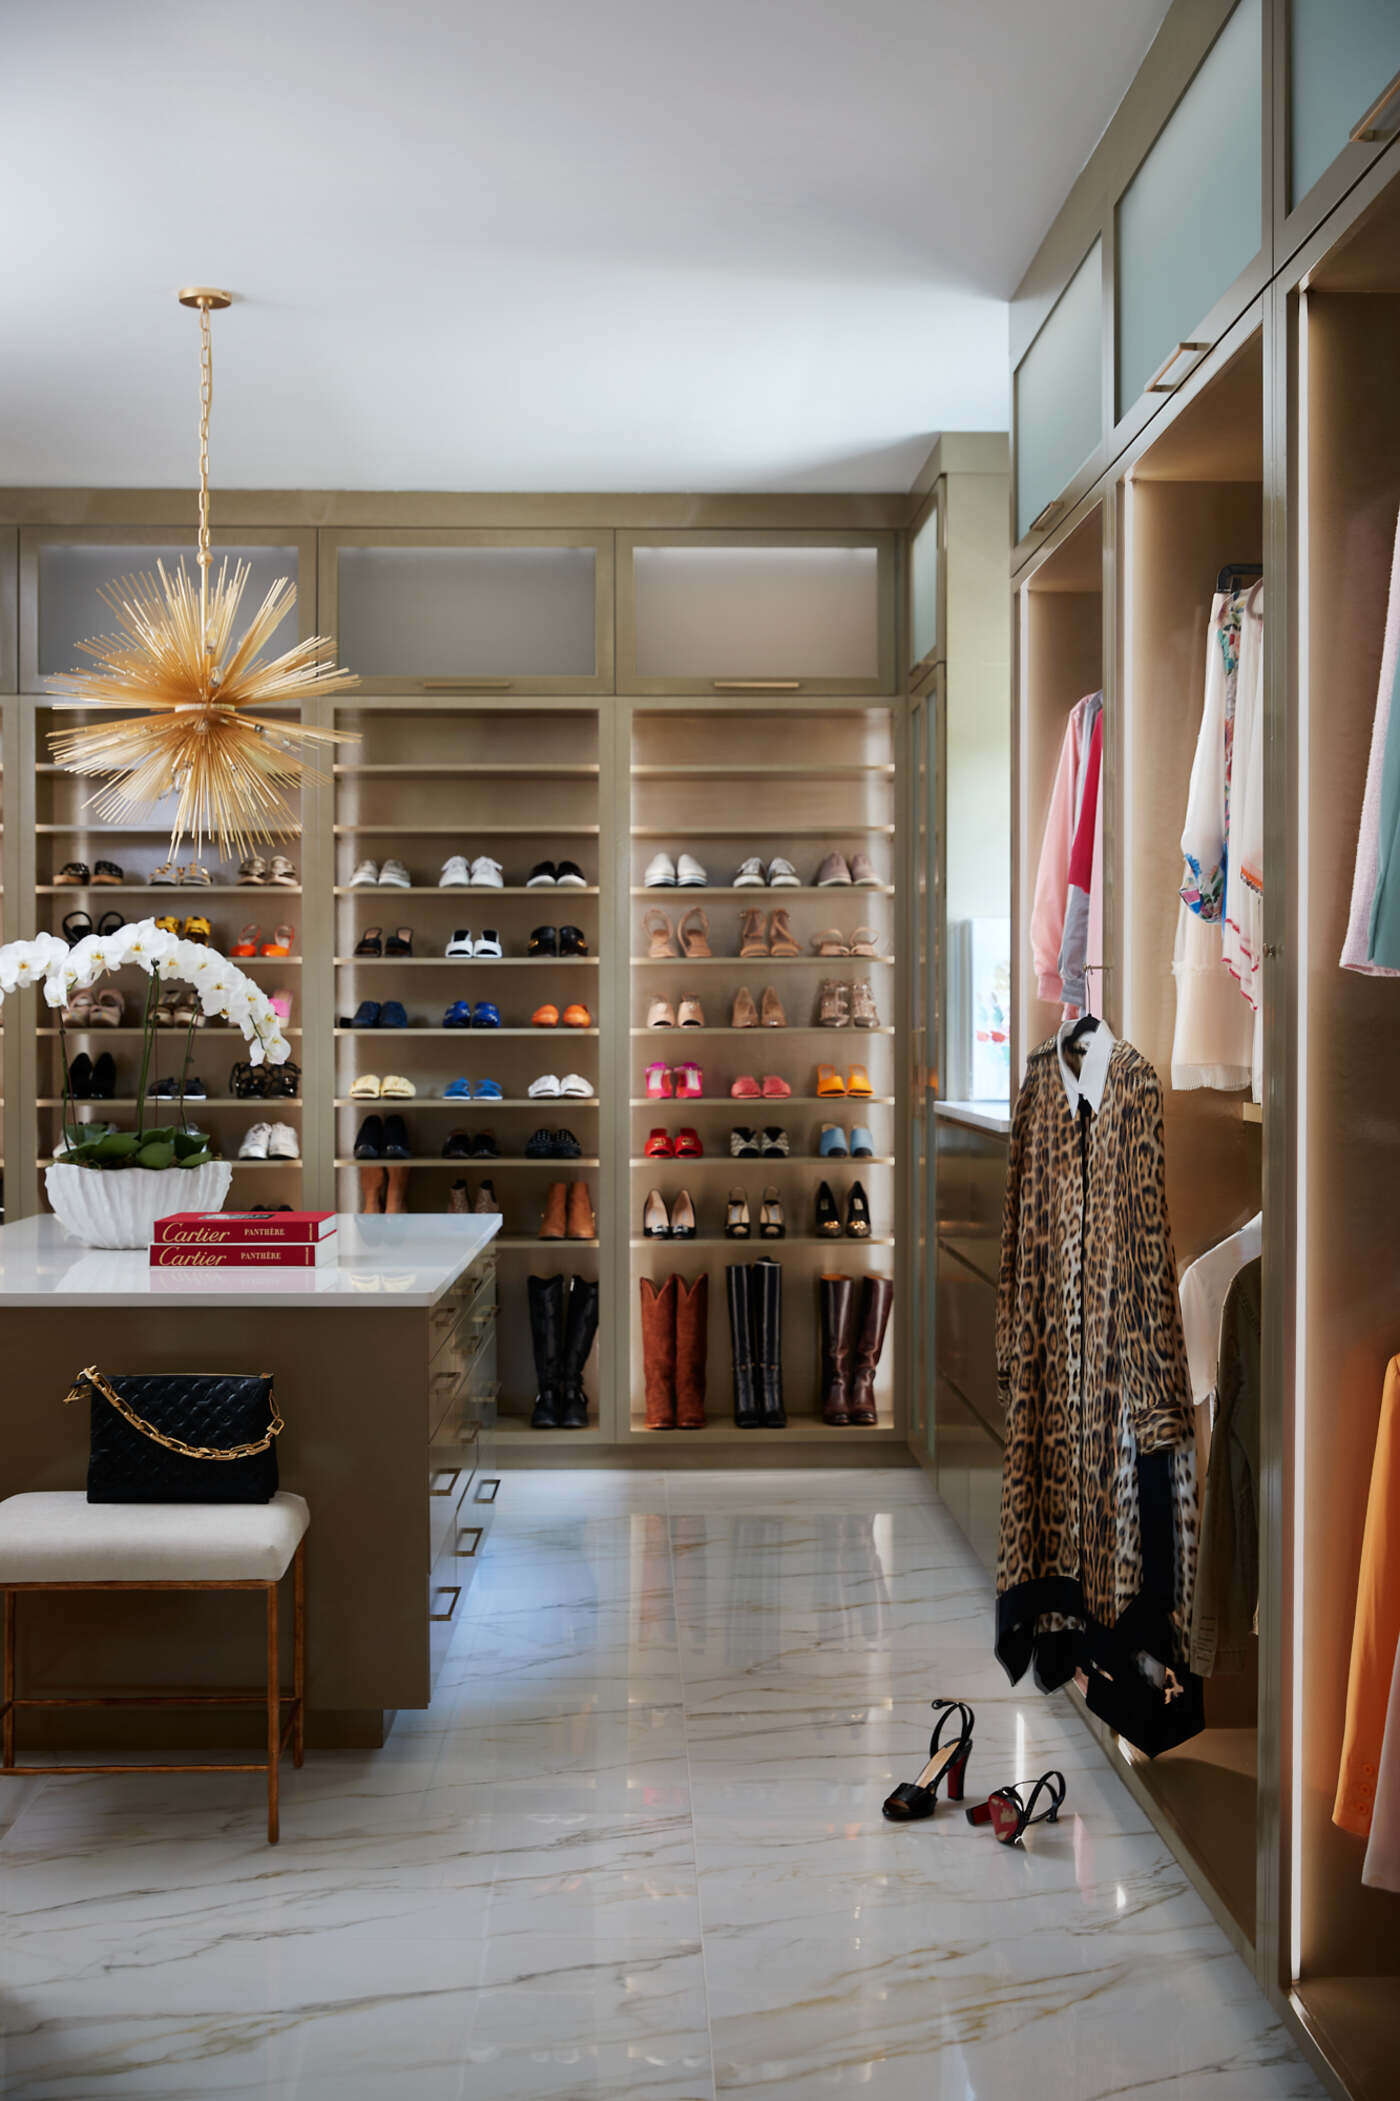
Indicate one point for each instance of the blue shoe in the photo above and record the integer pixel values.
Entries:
(485, 1015)
(457, 1091)
(488, 1091)
(833, 1143)
(862, 1144)
(392, 1015)
(366, 1015)
(458, 1015)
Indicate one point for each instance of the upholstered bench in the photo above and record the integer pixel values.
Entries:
(61, 1541)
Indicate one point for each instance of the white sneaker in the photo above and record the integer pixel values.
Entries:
(282, 1143)
(394, 876)
(661, 873)
(545, 1087)
(782, 875)
(487, 874)
(691, 875)
(255, 1142)
(749, 874)
(490, 943)
(575, 1083)
(456, 875)
(461, 943)
(366, 873)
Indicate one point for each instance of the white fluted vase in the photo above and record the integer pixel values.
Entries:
(118, 1207)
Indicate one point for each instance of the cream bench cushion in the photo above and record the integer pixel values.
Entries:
(60, 1537)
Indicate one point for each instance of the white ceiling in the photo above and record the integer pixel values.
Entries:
(537, 244)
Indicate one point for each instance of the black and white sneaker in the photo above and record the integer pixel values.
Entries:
(543, 876)
(570, 876)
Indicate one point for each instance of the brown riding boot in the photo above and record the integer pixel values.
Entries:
(580, 1224)
(870, 1341)
(552, 1224)
(838, 1302)
(396, 1194)
(372, 1188)
(692, 1340)
(659, 1352)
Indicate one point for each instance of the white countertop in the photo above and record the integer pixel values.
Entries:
(383, 1262)
(980, 1116)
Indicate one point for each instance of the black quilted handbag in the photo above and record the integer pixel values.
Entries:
(180, 1437)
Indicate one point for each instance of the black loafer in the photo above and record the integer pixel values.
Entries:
(566, 1146)
(369, 1139)
(572, 941)
(458, 1146)
(366, 1015)
(396, 1145)
(544, 941)
(484, 1146)
(540, 1145)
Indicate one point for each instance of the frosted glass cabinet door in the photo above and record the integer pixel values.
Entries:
(925, 622)
(1190, 222)
(471, 611)
(1343, 69)
(1059, 395)
(763, 612)
(64, 572)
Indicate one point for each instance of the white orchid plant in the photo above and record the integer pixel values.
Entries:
(223, 992)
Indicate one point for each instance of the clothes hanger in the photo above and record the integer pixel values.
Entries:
(1234, 574)
(1088, 1020)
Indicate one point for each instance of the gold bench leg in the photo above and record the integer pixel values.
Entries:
(274, 1714)
(299, 1651)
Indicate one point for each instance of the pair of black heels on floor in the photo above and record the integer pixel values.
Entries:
(1008, 1811)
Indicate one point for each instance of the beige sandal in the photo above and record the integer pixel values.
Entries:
(661, 1015)
(663, 941)
(865, 942)
(691, 1015)
(743, 1014)
(830, 942)
(695, 939)
(771, 1012)
(864, 1012)
(833, 1005)
(780, 936)
(753, 940)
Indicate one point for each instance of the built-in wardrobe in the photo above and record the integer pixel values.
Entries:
(1205, 416)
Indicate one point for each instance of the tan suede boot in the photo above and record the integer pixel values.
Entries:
(396, 1195)
(372, 1188)
(552, 1224)
(659, 1352)
(692, 1341)
(580, 1222)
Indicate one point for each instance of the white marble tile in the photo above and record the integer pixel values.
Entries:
(635, 1848)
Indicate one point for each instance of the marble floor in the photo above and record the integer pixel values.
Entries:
(635, 1848)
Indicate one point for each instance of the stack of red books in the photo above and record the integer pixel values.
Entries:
(244, 1240)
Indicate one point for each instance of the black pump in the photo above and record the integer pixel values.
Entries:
(828, 1217)
(546, 1302)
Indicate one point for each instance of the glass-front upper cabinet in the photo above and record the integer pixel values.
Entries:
(1343, 75)
(756, 612)
(1190, 223)
(926, 636)
(64, 571)
(470, 611)
(9, 610)
(1059, 401)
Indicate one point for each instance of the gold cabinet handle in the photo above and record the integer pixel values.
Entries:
(1159, 382)
(454, 1475)
(756, 685)
(454, 1590)
(480, 1497)
(478, 1533)
(1043, 520)
(1366, 131)
(466, 685)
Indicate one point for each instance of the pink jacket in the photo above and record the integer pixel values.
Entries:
(1052, 880)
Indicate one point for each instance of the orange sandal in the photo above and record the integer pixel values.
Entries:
(577, 1016)
(829, 1080)
(247, 942)
(545, 1017)
(858, 1081)
(281, 942)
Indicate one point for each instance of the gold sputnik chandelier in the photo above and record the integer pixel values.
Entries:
(175, 655)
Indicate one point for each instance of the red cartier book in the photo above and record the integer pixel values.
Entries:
(289, 1255)
(244, 1228)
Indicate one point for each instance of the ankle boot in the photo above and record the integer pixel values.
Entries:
(372, 1185)
(768, 1342)
(396, 1189)
(579, 1332)
(579, 1220)
(659, 1352)
(875, 1318)
(746, 1413)
(555, 1204)
(838, 1297)
(692, 1342)
(546, 1301)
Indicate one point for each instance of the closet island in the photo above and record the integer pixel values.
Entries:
(384, 1368)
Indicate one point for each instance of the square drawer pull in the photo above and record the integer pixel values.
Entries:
(481, 1495)
(1368, 128)
(1164, 380)
(454, 1475)
(445, 1590)
(477, 1532)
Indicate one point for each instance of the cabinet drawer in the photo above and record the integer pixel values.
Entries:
(967, 1466)
(469, 611)
(758, 612)
(966, 1335)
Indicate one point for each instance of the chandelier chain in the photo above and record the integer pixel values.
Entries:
(206, 397)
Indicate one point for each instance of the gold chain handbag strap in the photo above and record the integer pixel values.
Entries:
(94, 1378)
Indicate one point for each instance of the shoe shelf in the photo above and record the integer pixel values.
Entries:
(480, 893)
(689, 794)
(76, 1028)
(544, 1036)
(455, 829)
(264, 1103)
(476, 1163)
(411, 770)
(515, 1242)
(184, 891)
(539, 963)
(399, 1103)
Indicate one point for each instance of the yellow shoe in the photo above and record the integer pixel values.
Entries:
(858, 1081)
(829, 1081)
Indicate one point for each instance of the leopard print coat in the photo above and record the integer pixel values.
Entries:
(1098, 1508)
